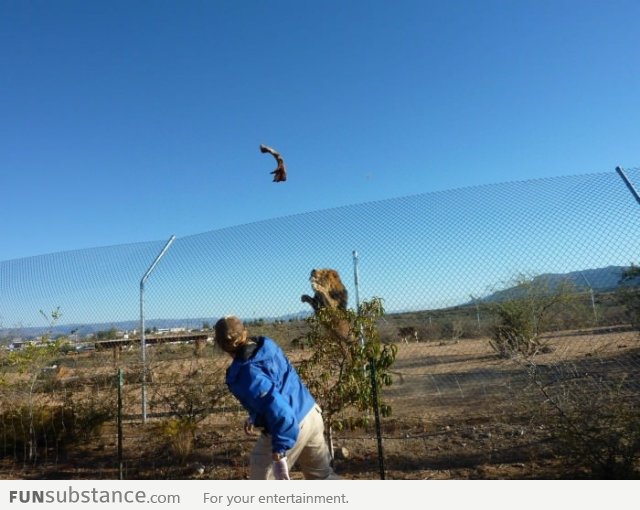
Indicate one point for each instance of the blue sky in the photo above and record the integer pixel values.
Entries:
(124, 122)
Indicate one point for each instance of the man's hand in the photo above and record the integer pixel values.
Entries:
(281, 469)
(248, 427)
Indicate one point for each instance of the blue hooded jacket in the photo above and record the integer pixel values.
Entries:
(269, 388)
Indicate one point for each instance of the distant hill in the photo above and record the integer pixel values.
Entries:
(604, 279)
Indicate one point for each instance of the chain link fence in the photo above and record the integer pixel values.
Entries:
(513, 307)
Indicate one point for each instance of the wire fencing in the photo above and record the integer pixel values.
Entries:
(495, 296)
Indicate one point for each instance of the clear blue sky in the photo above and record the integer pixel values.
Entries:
(130, 121)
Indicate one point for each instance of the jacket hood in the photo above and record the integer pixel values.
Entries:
(264, 350)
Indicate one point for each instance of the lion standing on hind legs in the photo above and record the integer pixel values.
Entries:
(329, 303)
(329, 290)
(329, 293)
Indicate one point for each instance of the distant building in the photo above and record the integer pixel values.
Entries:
(84, 347)
(163, 331)
(18, 344)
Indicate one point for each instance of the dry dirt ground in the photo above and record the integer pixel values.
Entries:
(459, 412)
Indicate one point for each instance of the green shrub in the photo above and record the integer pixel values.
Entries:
(527, 310)
(346, 356)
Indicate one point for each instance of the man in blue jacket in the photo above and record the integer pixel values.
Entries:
(269, 388)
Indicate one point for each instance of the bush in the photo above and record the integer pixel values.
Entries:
(31, 430)
(178, 435)
(596, 422)
(191, 396)
(629, 295)
(529, 308)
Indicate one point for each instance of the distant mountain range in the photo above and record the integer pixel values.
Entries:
(605, 279)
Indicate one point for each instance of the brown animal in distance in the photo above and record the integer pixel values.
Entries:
(280, 173)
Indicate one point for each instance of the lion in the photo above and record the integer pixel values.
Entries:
(329, 291)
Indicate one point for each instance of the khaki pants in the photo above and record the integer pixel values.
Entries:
(310, 452)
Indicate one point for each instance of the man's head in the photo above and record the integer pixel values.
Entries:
(230, 334)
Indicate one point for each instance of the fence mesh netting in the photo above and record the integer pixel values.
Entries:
(512, 306)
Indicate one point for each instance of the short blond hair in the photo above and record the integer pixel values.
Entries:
(230, 333)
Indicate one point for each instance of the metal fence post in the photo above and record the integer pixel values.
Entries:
(120, 384)
(143, 342)
(593, 299)
(372, 371)
(629, 184)
(356, 279)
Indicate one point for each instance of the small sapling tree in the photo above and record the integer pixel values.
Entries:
(349, 364)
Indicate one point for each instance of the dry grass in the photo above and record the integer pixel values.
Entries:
(459, 411)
